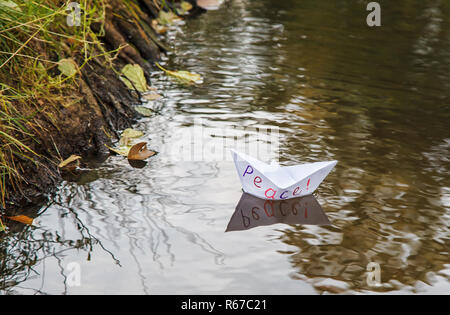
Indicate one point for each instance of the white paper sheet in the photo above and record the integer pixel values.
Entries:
(279, 182)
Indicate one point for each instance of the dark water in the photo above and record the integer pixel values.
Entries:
(375, 99)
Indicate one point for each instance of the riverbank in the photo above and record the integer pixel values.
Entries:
(62, 92)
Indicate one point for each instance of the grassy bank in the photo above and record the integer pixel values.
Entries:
(60, 87)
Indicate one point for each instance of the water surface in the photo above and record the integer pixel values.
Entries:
(375, 99)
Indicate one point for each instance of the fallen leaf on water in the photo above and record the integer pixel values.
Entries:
(183, 77)
(22, 219)
(160, 29)
(125, 142)
(185, 7)
(134, 78)
(144, 111)
(120, 150)
(132, 133)
(69, 160)
(140, 152)
(168, 18)
(151, 96)
(68, 67)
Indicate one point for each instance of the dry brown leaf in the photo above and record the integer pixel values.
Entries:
(140, 152)
(22, 219)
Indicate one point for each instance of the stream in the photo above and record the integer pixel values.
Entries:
(305, 81)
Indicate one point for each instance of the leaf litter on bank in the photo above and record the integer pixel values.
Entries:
(73, 158)
(134, 78)
(168, 18)
(184, 8)
(68, 67)
(160, 29)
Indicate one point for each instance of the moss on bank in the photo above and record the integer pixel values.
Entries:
(46, 115)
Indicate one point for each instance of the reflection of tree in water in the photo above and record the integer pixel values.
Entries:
(24, 248)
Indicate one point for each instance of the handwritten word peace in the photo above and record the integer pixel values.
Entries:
(270, 193)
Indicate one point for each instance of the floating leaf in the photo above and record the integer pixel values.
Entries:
(144, 111)
(167, 18)
(151, 96)
(140, 152)
(69, 160)
(183, 77)
(121, 150)
(160, 29)
(185, 7)
(68, 67)
(131, 133)
(134, 77)
(124, 143)
(22, 219)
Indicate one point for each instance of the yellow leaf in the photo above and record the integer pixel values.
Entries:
(69, 160)
(186, 6)
(68, 67)
(131, 133)
(134, 78)
(151, 96)
(168, 18)
(120, 150)
(144, 111)
(160, 29)
(183, 77)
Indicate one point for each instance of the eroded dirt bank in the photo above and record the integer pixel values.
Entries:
(87, 112)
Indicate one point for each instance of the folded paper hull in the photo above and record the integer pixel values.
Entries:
(276, 182)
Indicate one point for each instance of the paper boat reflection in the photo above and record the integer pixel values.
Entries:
(279, 182)
(252, 212)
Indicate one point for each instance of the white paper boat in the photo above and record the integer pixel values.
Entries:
(279, 182)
